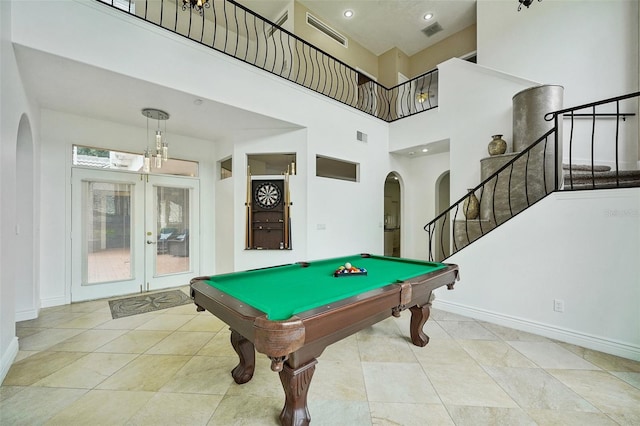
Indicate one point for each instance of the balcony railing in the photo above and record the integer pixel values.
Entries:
(234, 30)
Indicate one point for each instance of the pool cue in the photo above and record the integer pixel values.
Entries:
(287, 218)
(249, 237)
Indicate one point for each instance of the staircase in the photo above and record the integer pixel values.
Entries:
(515, 181)
(508, 193)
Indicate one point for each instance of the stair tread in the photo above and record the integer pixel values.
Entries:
(603, 175)
(585, 167)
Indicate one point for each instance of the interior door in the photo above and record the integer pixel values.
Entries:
(172, 231)
(132, 233)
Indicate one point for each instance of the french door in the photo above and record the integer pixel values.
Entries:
(132, 233)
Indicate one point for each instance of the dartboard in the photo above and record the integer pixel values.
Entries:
(267, 195)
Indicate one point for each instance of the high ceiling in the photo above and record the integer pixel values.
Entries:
(380, 25)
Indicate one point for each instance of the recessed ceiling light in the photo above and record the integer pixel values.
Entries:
(424, 150)
(197, 102)
(428, 16)
(348, 13)
(411, 153)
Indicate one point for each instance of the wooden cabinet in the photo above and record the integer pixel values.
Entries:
(267, 215)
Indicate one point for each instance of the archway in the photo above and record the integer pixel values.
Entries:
(442, 202)
(392, 215)
(26, 286)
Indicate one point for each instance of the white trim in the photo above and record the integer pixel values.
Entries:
(27, 314)
(597, 343)
(8, 357)
(54, 301)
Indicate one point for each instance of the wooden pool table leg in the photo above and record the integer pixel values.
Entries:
(243, 372)
(419, 315)
(296, 385)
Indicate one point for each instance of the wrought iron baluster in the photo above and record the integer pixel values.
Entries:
(246, 31)
(593, 143)
(526, 178)
(237, 28)
(617, 143)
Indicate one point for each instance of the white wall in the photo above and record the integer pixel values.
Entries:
(14, 106)
(583, 249)
(419, 201)
(589, 47)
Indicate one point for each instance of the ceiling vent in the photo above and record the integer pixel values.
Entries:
(279, 22)
(326, 30)
(432, 29)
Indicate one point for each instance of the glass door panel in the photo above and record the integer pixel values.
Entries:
(172, 225)
(106, 246)
(107, 231)
(172, 231)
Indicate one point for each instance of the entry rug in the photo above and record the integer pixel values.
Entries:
(147, 303)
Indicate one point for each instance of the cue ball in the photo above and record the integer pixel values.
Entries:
(347, 265)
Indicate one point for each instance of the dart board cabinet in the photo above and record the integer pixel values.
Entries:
(267, 214)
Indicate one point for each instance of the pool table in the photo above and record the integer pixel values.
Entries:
(293, 312)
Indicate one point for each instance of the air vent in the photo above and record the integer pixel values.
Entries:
(327, 30)
(278, 24)
(362, 137)
(432, 29)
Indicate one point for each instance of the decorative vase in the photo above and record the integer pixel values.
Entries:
(471, 206)
(497, 146)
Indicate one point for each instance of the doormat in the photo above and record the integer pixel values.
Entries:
(147, 303)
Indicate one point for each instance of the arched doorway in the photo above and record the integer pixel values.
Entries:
(392, 215)
(25, 283)
(442, 202)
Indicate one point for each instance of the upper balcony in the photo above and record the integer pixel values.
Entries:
(234, 30)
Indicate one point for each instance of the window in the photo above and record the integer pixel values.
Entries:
(336, 169)
(226, 168)
(103, 158)
(272, 164)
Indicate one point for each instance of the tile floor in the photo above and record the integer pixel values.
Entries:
(77, 366)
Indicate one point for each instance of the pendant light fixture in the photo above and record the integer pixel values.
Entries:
(195, 4)
(161, 152)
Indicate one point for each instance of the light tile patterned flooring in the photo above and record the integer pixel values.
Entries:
(77, 366)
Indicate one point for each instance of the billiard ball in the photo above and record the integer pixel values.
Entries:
(347, 265)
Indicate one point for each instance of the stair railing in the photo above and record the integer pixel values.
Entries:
(587, 174)
(536, 172)
(234, 30)
(515, 186)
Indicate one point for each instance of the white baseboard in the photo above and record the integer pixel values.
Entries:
(53, 301)
(28, 314)
(625, 350)
(7, 358)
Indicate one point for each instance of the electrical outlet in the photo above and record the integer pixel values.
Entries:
(558, 305)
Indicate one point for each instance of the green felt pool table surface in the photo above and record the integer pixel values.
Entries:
(283, 291)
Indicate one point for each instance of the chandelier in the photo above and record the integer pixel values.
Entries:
(161, 152)
(195, 4)
(525, 3)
